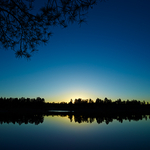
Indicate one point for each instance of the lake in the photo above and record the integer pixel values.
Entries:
(65, 132)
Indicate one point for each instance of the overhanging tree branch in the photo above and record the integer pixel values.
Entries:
(23, 31)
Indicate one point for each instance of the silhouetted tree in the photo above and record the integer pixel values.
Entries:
(70, 102)
(118, 101)
(98, 101)
(22, 30)
(85, 101)
(91, 101)
(107, 101)
(77, 101)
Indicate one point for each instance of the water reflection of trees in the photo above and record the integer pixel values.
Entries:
(73, 117)
(87, 118)
(20, 119)
(90, 118)
(33, 110)
(107, 119)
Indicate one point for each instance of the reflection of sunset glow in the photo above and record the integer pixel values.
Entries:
(75, 126)
(65, 122)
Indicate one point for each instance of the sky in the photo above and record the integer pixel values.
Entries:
(109, 56)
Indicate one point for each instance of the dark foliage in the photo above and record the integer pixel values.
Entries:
(105, 106)
(102, 106)
(11, 103)
(22, 31)
(108, 102)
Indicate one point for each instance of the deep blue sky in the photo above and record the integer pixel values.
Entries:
(109, 56)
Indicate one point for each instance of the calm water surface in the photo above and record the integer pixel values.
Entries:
(58, 133)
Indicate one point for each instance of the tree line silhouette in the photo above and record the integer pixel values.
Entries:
(107, 101)
(101, 105)
(79, 105)
(99, 101)
(8, 103)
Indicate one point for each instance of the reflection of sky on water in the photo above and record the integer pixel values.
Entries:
(59, 133)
